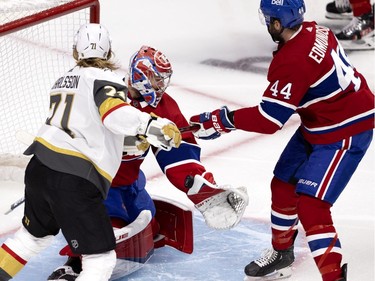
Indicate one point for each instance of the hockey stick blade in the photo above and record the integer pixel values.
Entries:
(15, 205)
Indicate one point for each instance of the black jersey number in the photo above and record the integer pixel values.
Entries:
(55, 101)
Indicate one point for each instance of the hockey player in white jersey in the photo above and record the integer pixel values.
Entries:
(76, 154)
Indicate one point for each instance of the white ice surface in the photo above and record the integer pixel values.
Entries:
(191, 32)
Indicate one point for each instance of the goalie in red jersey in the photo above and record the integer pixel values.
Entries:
(310, 75)
(144, 220)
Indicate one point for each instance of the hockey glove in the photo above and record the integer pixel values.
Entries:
(135, 146)
(160, 132)
(213, 124)
(221, 206)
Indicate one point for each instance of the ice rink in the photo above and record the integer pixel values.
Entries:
(220, 53)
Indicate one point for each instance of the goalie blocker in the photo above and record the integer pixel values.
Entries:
(135, 243)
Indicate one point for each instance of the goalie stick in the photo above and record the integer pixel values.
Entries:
(25, 138)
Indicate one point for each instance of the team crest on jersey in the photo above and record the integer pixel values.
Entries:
(277, 2)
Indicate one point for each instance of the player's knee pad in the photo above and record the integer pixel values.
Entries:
(97, 267)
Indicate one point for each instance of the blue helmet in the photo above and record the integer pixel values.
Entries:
(289, 12)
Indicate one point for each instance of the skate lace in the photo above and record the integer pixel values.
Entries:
(268, 256)
(343, 4)
(354, 24)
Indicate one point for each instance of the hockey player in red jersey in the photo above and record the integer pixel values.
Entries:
(221, 206)
(76, 154)
(310, 75)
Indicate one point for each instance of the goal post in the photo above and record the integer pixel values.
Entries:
(51, 13)
(36, 39)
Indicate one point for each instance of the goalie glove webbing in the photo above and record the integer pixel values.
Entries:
(225, 209)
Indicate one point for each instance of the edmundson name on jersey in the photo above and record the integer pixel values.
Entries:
(68, 82)
(319, 49)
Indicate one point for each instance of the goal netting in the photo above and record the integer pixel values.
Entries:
(36, 38)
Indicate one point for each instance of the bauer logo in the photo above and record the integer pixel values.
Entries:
(277, 2)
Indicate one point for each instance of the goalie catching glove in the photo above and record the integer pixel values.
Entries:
(213, 124)
(221, 206)
(160, 132)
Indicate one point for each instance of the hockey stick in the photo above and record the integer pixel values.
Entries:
(189, 129)
(15, 205)
(27, 138)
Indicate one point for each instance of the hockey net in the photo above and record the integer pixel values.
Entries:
(36, 38)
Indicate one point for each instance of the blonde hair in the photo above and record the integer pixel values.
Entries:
(96, 62)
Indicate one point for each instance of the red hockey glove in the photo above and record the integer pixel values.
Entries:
(213, 124)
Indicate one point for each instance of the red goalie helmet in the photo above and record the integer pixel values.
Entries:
(150, 73)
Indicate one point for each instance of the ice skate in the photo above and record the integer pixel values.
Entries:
(63, 273)
(344, 270)
(358, 34)
(339, 10)
(272, 265)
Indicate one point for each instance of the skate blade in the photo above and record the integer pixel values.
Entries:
(343, 16)
(366, 43)
(276, 275)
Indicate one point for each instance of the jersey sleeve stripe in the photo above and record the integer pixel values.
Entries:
(284, 104)
(109, 105)
(268, 117)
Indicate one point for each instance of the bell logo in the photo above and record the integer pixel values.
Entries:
(277, 2)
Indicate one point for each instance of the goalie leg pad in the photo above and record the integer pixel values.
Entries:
(134, 245)
(176, 224)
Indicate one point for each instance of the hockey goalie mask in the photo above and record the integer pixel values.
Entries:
(150, 73)
(92, 41)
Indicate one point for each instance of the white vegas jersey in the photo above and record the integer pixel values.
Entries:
(88, 118)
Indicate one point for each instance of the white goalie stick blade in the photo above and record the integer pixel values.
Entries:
(25, 137)
(276, 275)
(224, 210)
